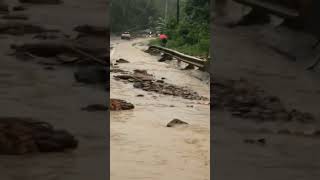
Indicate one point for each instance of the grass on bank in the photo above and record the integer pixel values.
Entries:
(199, 50)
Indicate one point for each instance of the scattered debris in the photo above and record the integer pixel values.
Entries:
(176, 122)
(142, 80)
(25, 135)
(119, 105)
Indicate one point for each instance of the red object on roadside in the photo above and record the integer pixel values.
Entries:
(163, 36)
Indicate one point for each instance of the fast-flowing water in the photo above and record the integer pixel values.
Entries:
(142, 147)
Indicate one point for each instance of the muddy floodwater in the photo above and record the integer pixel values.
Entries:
(142, 147)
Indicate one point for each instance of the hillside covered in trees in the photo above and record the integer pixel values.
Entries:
(188, 30)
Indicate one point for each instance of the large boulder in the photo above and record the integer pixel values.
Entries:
(118, 105)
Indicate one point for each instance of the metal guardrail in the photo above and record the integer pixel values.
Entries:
(182, 57)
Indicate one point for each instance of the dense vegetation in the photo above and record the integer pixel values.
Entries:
(190, 35)
(131, 15)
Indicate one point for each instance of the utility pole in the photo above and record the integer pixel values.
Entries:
(178, 11)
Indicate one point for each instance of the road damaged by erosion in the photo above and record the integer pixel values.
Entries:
(167, 134)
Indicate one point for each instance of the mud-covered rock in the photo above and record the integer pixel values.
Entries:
(176, 122)
(119, 105)
(122, 61)
(152, 51)
(25, 135)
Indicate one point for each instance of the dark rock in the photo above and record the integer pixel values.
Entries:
(176, 122)
(122, 61)
(115, 70)
(189, 67)
(152, 51)
(118, 105)
(140, 95)
(165, 57)
(138, 85)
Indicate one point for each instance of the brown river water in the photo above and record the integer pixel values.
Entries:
(142, 147)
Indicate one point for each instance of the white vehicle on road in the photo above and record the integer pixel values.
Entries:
(126, 35)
